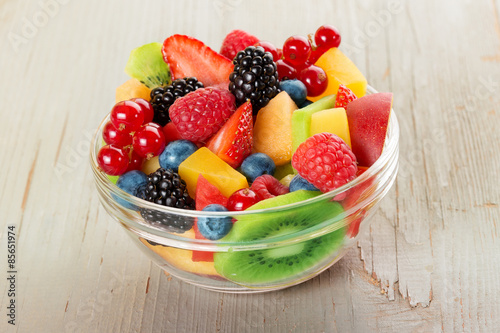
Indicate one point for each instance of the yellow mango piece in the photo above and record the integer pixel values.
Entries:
(340, 70)
(182, 259)
(215, 170)
(331, 121)
(132, 89)
(272, 132)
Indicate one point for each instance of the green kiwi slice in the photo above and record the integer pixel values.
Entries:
(146, 64)
(280, 265)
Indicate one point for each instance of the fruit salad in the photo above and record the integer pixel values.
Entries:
(249, 128)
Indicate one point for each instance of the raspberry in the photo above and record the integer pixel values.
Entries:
(236, 41)
(344, 97)
(201, 113)
(326, 161)
(266, 186)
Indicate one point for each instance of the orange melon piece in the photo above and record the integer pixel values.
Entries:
(331, 121)
(340, 70)
(132, 89)
(213, 169)
(272, 133)
(181, 258)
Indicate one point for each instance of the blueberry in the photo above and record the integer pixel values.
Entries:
(306, 103)
(256, 165)
(134, 183)
(214, 228)
(299, 183)
(175, 153)
(296, 89)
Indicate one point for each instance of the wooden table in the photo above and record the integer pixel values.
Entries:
(430, 261)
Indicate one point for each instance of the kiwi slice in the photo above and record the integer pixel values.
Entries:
(146, 64)
(279, 264)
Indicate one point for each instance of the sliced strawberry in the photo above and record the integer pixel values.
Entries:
(234, 141)
(206, 194)
(344, 97)
(188, 56)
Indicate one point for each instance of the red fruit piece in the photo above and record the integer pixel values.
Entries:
(127, 116)
(114, 136)
(112, 160)
(285, 71)
(188, 56)
(201, 113)
(236, 41)
(242, 199)
(206, 194)
(344, 97)
(326, 161)
(315, 80)
(171, 133)
(269, 47)
(266, 187)
(149, 141)
(234, 141)
(135, 161)
(147, 109)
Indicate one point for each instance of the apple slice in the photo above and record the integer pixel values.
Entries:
(368, 119)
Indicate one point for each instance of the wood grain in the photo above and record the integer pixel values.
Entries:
(430, 260)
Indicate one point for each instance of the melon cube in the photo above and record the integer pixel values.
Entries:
(132, 89)
(272, 133)
(340, 70)
(332, 121)
(213, 169)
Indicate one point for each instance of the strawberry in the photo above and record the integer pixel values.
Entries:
(344, 97)
(188, 56)
(234, 141)
(236, 41)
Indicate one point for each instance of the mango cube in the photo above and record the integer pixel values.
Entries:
(340, 70)
(215, 170)
(331, 121)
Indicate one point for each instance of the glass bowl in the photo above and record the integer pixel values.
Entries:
(318, 231)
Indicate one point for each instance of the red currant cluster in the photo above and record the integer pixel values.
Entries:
(131, 137)
(300, 54)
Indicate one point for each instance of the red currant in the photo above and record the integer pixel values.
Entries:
(136, 161)
(315, 80)
(127, 116)
(296, 50)
(327, 36)
(147, 109)
(149, 141)
(112, 160)
(113, 136)
(315, 54)
(242, 199)
(268, 47)
(285, 71)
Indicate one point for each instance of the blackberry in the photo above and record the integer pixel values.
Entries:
(163, 97)
(166, 188)
(254, 77)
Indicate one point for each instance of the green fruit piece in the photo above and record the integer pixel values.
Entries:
(284, 264)
(283, 170)
(301, 119)
(146, 64)
(113, 179)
